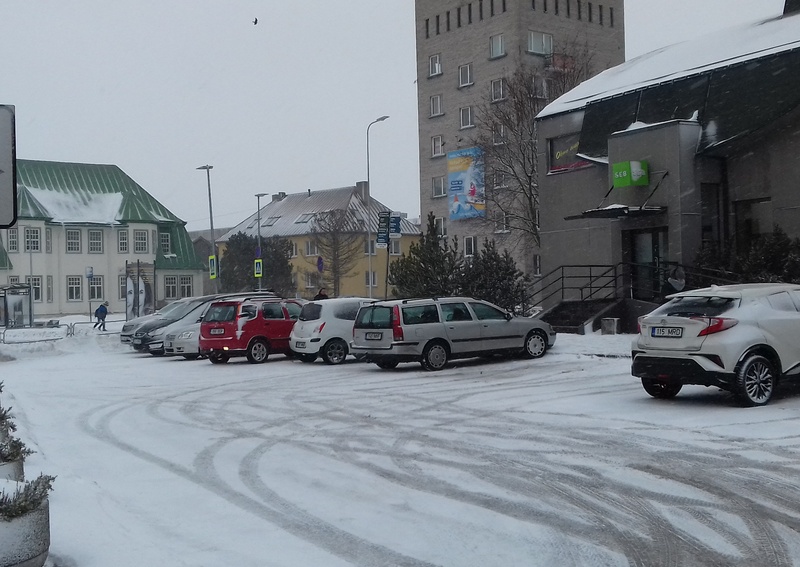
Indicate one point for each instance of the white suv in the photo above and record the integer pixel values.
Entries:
(432, 331)
(325, 328)
(741, 338)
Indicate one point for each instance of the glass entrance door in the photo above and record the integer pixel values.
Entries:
(648, 255)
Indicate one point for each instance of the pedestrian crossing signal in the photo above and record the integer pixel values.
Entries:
(212, 267)
(258, 268)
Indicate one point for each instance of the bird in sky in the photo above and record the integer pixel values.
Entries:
(255, 21)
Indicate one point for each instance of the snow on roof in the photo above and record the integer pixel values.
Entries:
(712, 51)
(89, 208)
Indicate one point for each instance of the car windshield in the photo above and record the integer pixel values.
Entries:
(696, 306)
(310, 312)
(220, 312)
(374, 317)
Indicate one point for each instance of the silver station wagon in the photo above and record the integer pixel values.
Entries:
(433, 331)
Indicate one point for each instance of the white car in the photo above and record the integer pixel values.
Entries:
(183, 341)
(325, 328)
(740, 338)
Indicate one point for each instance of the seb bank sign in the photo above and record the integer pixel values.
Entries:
(8, 168)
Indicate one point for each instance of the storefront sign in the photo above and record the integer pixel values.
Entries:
(630, 173)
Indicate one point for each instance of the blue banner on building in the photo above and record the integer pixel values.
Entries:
(466, 193)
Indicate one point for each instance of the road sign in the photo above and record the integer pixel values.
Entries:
(212, 267)
(394, 225)
(258, 267)
(320, 264)
(8, 168)
(382, 237)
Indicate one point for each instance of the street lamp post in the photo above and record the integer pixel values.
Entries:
(369, 211)
(258, 252)
(208, 169)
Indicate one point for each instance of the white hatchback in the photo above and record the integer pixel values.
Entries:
(325, 327)
(740, 338)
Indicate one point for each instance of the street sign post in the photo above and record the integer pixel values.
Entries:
(382, 237)
(394, 225)
(258, 268)
(8, 167)
(212, 267)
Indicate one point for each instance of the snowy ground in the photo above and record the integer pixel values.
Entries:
(554, 462)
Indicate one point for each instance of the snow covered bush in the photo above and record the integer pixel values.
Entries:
(26, 499)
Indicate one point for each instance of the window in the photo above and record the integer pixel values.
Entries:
(269, 221)
(49, 289)
(73, 241)
(96, 288)
(498, 90)
(372, 251)
(311, 248)
(611, 17)
(437, 146)
(122, 241)
(469, 246)
(540, 43)
(589, 9)
(32, 240)
(455, 312)
(294, 249)
(36, 286)
(500, 221)
(441, 227)
(436, 105)
(170, 287)
(154, 241)
(465, 75)
(500, 179)
(272, 311)
(13, 279)
(187, 286)
(13, 240)
(437, 187)
(48, 240)
(305, 217)
(166, 242)
(499, 135)
(122, 287)
(367, 282)
(435, 65)
(74, 288)
(600, 13)
(540, 85)
(537, 265)
(140, 244)
(394, 247)
(311, 280)
(497, 46)
(466, 117)
(95, 241)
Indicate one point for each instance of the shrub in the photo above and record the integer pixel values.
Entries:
(26, 499)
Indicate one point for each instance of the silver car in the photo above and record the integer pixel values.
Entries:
(433, 331)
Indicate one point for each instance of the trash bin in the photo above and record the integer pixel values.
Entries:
(610, 326)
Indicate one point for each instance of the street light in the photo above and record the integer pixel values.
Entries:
(369, 215)
(208, 169)
(258, 252)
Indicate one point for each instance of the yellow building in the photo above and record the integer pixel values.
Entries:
(292, 216)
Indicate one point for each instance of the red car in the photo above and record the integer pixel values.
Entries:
(252, 327)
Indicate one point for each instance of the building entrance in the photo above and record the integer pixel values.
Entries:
(648, 253)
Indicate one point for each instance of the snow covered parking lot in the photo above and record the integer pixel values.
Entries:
(559, 461)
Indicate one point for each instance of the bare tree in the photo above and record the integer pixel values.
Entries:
(339, 237)
(506, 133)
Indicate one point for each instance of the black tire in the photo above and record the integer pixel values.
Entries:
(360, 357)
(661, 390)
(257, 351)
(218, 358)
(191, 356)
(334, 351)
(535, 344)
(755, 381)
(435, 356)
(303, 357)
(386, 364)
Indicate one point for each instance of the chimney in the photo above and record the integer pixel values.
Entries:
(362, 187)
(791, 7)
(279, 196)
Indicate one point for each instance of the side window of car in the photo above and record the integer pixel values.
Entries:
(781, 302)
(294, 310)
(455, 312)
(248, 311)
(485, 312)
(420, 314)
(272, 311)
(346, 311)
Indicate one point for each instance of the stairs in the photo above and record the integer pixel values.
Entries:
(582, 317)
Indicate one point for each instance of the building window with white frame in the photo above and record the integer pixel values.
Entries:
(499, 135)
(74, 288)
(311, 280)
(500, 179)
(466, 117)
(13, 240)
(536, 218)
(311, 248)
(95, 241)
(140, 242)
(537, 265)
(50, 289)
(500, 221)
(437, 146)
(294, 249)
(122, 288)
(498, 90)
(48, 240)
(95, 288)
(372, 248)
(187, 286)
(73, 237)
(438, 188)
(436, 105)
(540, 43)
(35, 283)
(497, 46)
(32, 240)
(395, 249)
(170, 287)
(367, 282)
(470, 246)
(465, 75)
(166, 242)
(13, 280)
(441, 227)
(434, 65)
(122, 241)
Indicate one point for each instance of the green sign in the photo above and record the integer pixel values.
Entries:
(628, 173)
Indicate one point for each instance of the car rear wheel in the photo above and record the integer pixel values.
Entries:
(387, 364)
(661, 390)
(755, 381)
(218, 358)
(535, 344)
(334, 351)
(257, 352)
(434, 357)
(305, 357)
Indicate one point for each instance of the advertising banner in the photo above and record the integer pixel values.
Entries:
(631, 173)
(466, 192)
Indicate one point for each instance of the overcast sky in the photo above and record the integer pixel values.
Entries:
(160, 88)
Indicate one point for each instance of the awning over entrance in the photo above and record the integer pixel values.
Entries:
(616, 212)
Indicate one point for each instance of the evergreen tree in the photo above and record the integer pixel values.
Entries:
(237, 264)
(494, 277)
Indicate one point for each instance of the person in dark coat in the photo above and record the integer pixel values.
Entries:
(675, 282)
(101, 313)
(321, 295)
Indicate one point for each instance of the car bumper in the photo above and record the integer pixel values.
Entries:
(178, 348)
(694, 369)
(305, 345)
(398, 352)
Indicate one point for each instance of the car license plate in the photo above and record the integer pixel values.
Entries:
(374, 336)
(667, 332)
(217, 331)
(300, 344)
(137, 341)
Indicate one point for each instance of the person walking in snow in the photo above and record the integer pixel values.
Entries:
(101, 313)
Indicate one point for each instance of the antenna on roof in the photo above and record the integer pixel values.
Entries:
(309, 192)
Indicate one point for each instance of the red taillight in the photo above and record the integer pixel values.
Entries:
(397, 330)
(639, 325)
(319, 329)
(715, 325)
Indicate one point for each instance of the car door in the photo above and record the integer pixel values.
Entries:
(463, 330)
(496, 332)
(782, 325)
(278, 324)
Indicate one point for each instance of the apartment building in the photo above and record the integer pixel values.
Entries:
(465, 50)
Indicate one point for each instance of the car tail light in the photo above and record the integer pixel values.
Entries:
(319, 329)
(397, 330)
(639, 324)
(715, 324)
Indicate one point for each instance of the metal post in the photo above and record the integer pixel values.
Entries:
(369, 210)
(208, 169)
(259, 255)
